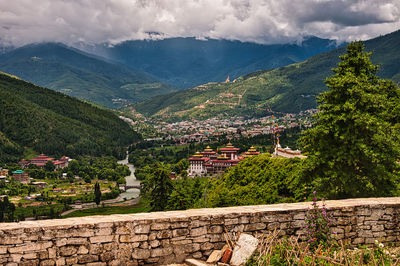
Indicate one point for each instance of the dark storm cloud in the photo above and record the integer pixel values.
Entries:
(265, 21)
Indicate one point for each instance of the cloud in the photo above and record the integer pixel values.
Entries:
(263, 21)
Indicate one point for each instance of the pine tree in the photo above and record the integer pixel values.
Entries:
(158, 187)
(97, 193)
(354, 148)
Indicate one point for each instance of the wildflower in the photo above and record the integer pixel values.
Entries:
(381, 245)
(314, 192)
(376, 242)
(386, 252)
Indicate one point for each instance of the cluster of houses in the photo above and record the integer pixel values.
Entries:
(42, 159)
(210, 162)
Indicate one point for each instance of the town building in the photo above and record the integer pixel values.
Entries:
(42, 159)
(212, 163)
(287, 152)
(3, 172)
(21, 176)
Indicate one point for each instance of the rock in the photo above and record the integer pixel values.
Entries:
(194, 262)
(244, 248)
(226, 257)
(215, 256)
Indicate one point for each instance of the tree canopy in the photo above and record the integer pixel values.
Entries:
(354, 147)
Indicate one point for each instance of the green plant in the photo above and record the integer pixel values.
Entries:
(317, 224)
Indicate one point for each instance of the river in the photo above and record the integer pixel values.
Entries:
(131, 193)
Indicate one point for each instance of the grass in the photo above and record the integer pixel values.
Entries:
(274, 250)
(142, 206)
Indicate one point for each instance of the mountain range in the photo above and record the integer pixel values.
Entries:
(188, 62)
(38, 120)
(79, 74)
(286, 89)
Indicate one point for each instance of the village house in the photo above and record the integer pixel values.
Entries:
(21, 176)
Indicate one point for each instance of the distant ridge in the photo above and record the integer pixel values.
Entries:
(287, 89)
(188, 62)
(76, 73)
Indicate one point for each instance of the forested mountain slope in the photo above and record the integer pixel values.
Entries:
(286, 89)
(50, 122)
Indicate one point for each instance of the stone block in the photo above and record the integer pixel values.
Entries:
(201, 239)
(71, 260)
(107, 256)
(77, 241)
(66, 251)
(47, 263)
(60, 262)
(88, 258)
(215, 229)
(198, 231)
(103, 232)
(179, 225)
(141, 253)
(180, 232)
(231, 221)
(132, 238)
(161, 252)
(164, 234)
(101, 239)
(207, 246)
(254, 227)
(215, 256)
(36, 246)
(96, 264)
(83, 250)
(245, 247)
(154, 243)
(160, 226)
(142, 229)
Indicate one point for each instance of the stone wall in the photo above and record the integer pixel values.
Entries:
(166, 237)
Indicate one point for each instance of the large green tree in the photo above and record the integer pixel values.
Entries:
(354, 147)
(157, 187)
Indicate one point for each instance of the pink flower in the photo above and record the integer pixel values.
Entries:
(314, 192)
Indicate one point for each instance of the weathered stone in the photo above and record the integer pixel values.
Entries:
(207, 246)
(215, 256)
(134, 238)
(103, 232)
(107, 256)
(47, 263)
(244, 248)
(60, 262)
(180, 232)
(101, 239)
(160, 226)
(216, 229)
(67, 251)
(87, 258)
(198, 231)
(254, 227)
(141, 253)
(164, 234)
(83, 250)
(31, 246)
(161, 252)
(142, 229)
(154, 243)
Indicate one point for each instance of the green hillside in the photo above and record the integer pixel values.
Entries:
(45, 121)
(287, 89)
(81, 75)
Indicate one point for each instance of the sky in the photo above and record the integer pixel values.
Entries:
(262, 21)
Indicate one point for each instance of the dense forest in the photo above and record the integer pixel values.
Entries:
(43, 121)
